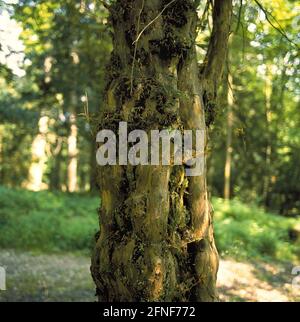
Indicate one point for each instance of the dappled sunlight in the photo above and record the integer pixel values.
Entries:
(255, 282)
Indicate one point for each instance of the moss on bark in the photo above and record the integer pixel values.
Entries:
(156, 237)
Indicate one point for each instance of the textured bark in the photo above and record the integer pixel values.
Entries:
(156, 234)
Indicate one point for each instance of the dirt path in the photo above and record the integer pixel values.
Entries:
(259, 282)
(44, 278)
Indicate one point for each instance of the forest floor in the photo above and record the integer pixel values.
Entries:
(48, 278)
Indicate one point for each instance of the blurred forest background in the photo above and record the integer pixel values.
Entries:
(53, 57)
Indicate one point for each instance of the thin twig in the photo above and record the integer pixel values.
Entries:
(204, 15)
(152, 21)
(279, 28)
(86, 113)
(135, 48)
(239, 16)
(86, 110)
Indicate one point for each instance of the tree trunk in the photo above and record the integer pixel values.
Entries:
(55, 175)
(268, 149)
(227, 170)
(156, 236)
(39, 157)
(72, 154)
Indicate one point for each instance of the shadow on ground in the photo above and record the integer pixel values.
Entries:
(48, 278)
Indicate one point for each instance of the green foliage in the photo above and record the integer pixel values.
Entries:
(66, 47)
(247, 232)
(57, 222)
(265, 70)
(46, 221)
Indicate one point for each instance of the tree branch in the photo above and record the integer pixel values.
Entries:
(212, 68)
(279, 28)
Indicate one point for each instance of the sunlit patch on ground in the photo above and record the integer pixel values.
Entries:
(258, 282)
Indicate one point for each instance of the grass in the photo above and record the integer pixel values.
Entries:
(60, 222)
(248, 232)
(47, 221)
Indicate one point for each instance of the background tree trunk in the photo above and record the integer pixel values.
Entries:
(72, 147)
(39, 157)
(93, 167)
(55, 175)
(227, 170)
(156, 236)
(268, 149)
